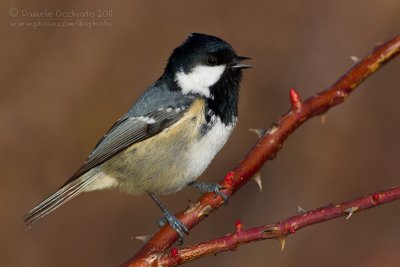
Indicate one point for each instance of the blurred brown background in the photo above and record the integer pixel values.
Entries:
(63, 87)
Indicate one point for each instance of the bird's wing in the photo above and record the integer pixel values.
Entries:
(129, 130)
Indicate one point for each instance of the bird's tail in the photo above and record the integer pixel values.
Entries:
(65, 193)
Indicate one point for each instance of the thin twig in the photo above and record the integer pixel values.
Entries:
(278, 230)
(267, 147)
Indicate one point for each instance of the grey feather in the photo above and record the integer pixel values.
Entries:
(54, 201)
(130, 129)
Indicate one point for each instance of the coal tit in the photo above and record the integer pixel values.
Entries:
(170, 135)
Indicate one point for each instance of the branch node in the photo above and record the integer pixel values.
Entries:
(151, 259)
(229, 178)
(376, 197)
(295, 99)
(238, 226)
(341, 94)
(174, 253)
(271, 229)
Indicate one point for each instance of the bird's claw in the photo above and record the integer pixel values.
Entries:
(211, 188)
(176, 224)
(223, 196)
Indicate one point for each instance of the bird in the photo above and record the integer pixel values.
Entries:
(167, 139)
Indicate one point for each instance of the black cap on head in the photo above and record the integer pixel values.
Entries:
(200, 49)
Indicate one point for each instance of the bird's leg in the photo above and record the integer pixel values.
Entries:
(176, 224)
(210, 188)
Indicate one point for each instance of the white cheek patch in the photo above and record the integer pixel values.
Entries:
(199, 79)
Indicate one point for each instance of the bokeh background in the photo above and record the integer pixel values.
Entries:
(62, 87)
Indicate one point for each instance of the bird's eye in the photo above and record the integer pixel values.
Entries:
(212, 61)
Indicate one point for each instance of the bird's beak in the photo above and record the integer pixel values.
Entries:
(238, 65)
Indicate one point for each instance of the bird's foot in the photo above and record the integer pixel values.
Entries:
(176, 224)
(210, 188)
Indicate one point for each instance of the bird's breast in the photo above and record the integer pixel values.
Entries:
(208, 144)
(168, 161)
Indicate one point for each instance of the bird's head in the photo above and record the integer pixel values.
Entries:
(202, 62)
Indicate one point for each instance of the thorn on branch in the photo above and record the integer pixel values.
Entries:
(259, 132)
(257, 178)
(378, 44)
(273, 128)
(300, 210)
(295, 99)
(282, 240)
(323, 118)
(350, 211)
(143, 238)
(192, 206)
(355, 59)
(375, 197)
(205, 211)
